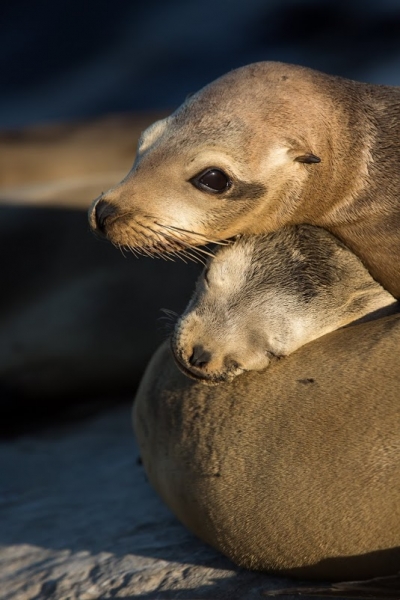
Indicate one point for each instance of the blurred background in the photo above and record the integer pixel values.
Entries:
(69, 59)
(80, 81)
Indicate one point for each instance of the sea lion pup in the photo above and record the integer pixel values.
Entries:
(266, 295)
(294, 469)
(267, 145)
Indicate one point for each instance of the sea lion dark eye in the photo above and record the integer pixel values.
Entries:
(212, 180)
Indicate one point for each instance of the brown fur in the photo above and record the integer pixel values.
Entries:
(256, 124)
(294, 470)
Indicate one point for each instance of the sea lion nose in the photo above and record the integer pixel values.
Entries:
(103, 210)
(200, 357)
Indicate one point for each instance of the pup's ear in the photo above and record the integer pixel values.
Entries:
(308, 158)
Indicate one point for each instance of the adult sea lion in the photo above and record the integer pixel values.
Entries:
(267, 145)
(266, 295)
(294, 469)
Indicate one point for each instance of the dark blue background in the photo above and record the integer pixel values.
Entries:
(70, 58)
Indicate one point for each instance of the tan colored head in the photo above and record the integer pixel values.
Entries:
(240, 156)
(265, 146)
(265, 296)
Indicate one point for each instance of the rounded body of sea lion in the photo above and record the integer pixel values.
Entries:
(295, 469)
(264, 146)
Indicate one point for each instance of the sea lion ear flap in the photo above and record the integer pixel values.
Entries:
(308, 158)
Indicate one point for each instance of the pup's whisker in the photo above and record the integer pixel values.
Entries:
(169, 315)
(196, 234)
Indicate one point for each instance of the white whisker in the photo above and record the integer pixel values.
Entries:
(196, 234)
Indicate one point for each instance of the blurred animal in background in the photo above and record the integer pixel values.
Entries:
(78, 320)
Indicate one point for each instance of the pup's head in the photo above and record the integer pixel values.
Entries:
(265, 296)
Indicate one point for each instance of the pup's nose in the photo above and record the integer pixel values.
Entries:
(200, 357)
(103, 210)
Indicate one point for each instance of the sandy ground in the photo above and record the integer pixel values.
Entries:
(80, 522)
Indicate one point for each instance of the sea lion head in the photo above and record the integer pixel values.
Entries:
(234, 158)
(264, 296)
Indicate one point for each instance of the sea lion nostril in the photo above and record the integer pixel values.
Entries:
(103, 210)
(231, 364)
(200, 357)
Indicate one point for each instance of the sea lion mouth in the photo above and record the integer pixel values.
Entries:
(204, 378)
(145, 236)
